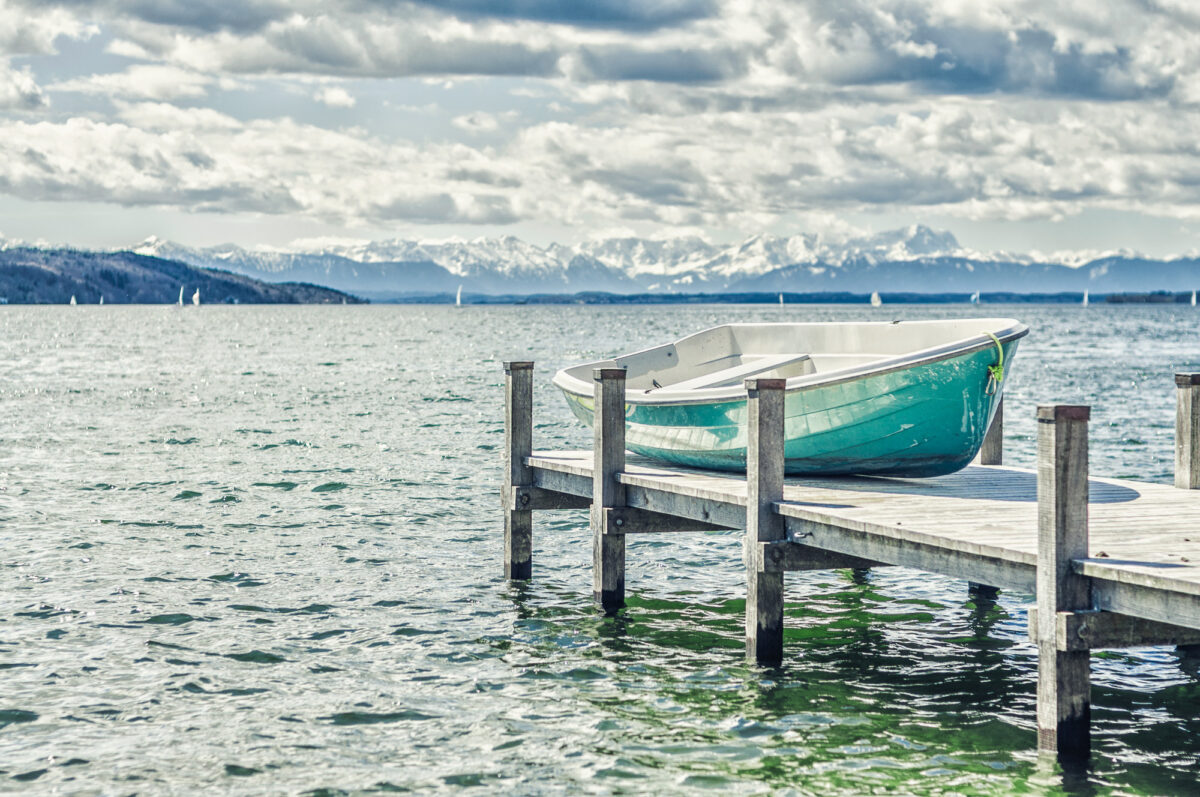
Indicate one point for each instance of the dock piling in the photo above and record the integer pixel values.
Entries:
(992, 450)
(1187, 430)
(764, 488)
(1064, 678)
(518, 444)
(608, 450)
(1083, 603)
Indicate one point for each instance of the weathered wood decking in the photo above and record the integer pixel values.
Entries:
(979, 524)
(1112, 563)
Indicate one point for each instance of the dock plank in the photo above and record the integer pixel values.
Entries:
(978, 524)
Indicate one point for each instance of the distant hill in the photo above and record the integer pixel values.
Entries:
(53, 276)
(914, 259)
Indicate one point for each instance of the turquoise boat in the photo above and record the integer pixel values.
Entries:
(907, 398)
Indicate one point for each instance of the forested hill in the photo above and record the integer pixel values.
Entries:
(53, 276)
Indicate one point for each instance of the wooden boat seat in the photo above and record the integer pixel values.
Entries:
(783, 366)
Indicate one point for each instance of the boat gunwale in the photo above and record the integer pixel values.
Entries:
(735, 393)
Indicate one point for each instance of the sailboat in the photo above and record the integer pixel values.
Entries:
(101, 299)
(781, 300)
(875, 300)
(196, 298)
(73, 302)
(458, 297)
(1085, 298)
(1193, 298)
(180, 302)
(975, 297)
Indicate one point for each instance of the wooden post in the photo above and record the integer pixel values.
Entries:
(1064, 678)
(518, 444)
(764, 488)
(1187, 431)
(1187, 450)
(982, 593)
(608, 544)
(992, 450)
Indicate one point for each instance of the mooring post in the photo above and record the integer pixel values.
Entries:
(764, 488)
(992, 450)
(608, 544)
(1187, 430)
(1064, 678)
(990, 453)
(1187, 450)
(518, 444)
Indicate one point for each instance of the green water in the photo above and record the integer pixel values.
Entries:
(257, 550)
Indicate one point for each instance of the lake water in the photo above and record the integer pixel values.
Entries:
(258, 550)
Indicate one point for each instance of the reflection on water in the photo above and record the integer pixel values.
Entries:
(258, 550)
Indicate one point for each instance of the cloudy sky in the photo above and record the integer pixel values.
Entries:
(1018, 124)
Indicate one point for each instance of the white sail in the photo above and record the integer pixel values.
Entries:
(975, 297)
(781, 300)
(180, 302)
(1085, 298)
(458, 297)
(875, 300)
(196, 297)
(101, 300)
(1193, 298)
(73, 299)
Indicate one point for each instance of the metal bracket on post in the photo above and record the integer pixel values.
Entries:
(764, 488)
(1064, 677)
(1095, 629)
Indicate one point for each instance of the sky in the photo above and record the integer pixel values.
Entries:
(1022, 125)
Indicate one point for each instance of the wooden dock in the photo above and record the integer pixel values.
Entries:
(1112, 563)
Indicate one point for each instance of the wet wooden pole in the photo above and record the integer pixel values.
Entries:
(608, 451)
(1187, 430)
(518, 444)
(1064, 678)
(990, 453)
(764, 488)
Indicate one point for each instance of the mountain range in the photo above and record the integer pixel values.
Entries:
(914, 259)
(911, 260)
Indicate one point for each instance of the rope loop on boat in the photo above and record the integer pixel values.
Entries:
(995, 372)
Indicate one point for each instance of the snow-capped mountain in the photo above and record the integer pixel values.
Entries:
(912, 259)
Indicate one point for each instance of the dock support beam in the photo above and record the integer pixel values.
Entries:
(1064, 677)
(992, 451)
(608, 545)
(518, 444)
(1187, 431)
(764, 488)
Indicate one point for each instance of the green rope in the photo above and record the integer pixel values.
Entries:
(996, 372)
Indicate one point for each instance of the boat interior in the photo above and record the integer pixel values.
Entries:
(725, 356)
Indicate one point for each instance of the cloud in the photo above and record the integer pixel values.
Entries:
(207, 16)
(33, 30)
(619, 63)
(705, 114)
(625, 14)
(19, 91)
(478, 122)
(334, 97)
(143, 81)
(199, 161)
(352, 47)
